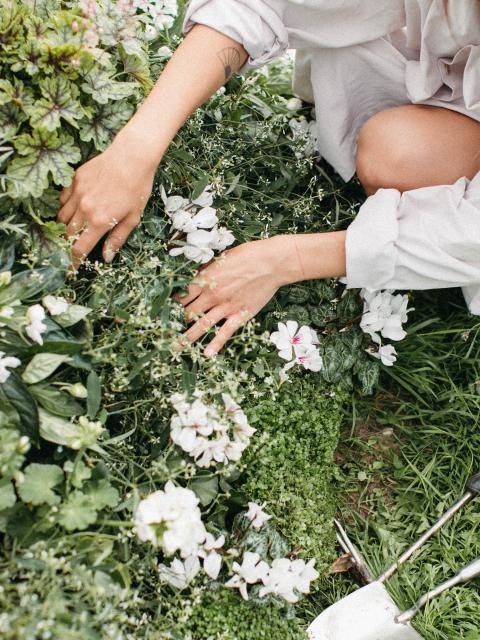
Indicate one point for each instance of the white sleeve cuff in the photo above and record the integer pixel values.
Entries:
(255, 24)
(425, 238)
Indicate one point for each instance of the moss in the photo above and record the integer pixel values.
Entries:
(292, 467)
(223, 615)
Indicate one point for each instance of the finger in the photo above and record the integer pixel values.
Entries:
(117, 238)
(75, 226)
(82, 247)
(225, 332)
(199, 306)
(203, 325)
(194, 290)
(67, 212)
(65, 195)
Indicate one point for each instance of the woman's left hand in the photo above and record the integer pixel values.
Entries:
(235, 287)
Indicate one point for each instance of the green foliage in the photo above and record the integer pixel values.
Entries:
(66, 88)
(291, 468)
(220, 615)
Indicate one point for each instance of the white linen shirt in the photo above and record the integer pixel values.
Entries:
(356, 58)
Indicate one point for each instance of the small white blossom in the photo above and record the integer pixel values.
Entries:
(212, 561)
(179, 574)
(251, 571)
(298, 346)
(294, 104)
(164, 53)
(7, 362)
(172, 520)
(286, 577)
(55, 305)
(257, 515)
(208, 435)
(35, 327)
(386, 353)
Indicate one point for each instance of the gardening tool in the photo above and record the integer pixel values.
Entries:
(370, 613)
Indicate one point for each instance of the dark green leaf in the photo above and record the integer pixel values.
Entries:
(22, 400)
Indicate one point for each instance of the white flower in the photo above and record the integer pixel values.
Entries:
(306, 130)
(256, 515)
(206, 434)
(212, 561)
(55, 305)
(384, 314)
(7, 361)
(294, 104)
(251, 570)
(386, 353)
(179, 574)
(172, 520)
(205, 199)
(164, 53)
(287, 576)
(35, 326)
(288, 338)
(150, 32)
(221, 238)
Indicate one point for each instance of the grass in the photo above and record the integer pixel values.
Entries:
(405, 457)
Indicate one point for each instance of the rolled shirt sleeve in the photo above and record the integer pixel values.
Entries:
(425, 238)
(256, 24)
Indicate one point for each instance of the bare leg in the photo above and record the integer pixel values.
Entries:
(417, 146)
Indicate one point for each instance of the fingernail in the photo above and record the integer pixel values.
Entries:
(109, 255)
(210, 352)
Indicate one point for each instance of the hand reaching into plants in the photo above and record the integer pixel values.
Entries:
(110, 192)
(235, 287)
(107, 195)
(238, 284)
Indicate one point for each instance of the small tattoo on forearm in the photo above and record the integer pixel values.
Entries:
(230, 59)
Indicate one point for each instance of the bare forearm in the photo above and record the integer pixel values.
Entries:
(309, 256)
(204, 61)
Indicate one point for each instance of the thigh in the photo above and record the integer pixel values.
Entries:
(417, 146)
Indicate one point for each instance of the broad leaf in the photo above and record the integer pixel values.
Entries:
(41, 366)
(72, 315)
(206, 489)
(59, 101)
(7, 495)
(103, 88)
(32, 283)
(39, 479)
(55, 401)
(22, 400)
(102, 495)
(77, 512)
(40, 156)
(10, 120)
(105, 123)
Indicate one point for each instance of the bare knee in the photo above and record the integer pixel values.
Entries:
(383, 158)
(417, 146)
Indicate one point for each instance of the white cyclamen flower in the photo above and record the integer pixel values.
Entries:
(7, 362)
(287, 577)
(35, 327)
(55, 305)
(172, 520)
(251, 571)
(179, 574)
(257, 515)
(289, 337)
(386, 353)
(384, 314)
(212, 561)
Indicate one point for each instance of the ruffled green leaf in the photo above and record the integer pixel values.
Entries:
(7, 495)
(77, 512)
(39, 480)
(59, 102)
(103, 88)
(11, 119)
(41, 155)
(105, 123)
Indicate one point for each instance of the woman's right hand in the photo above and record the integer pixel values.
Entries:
(108, 195)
